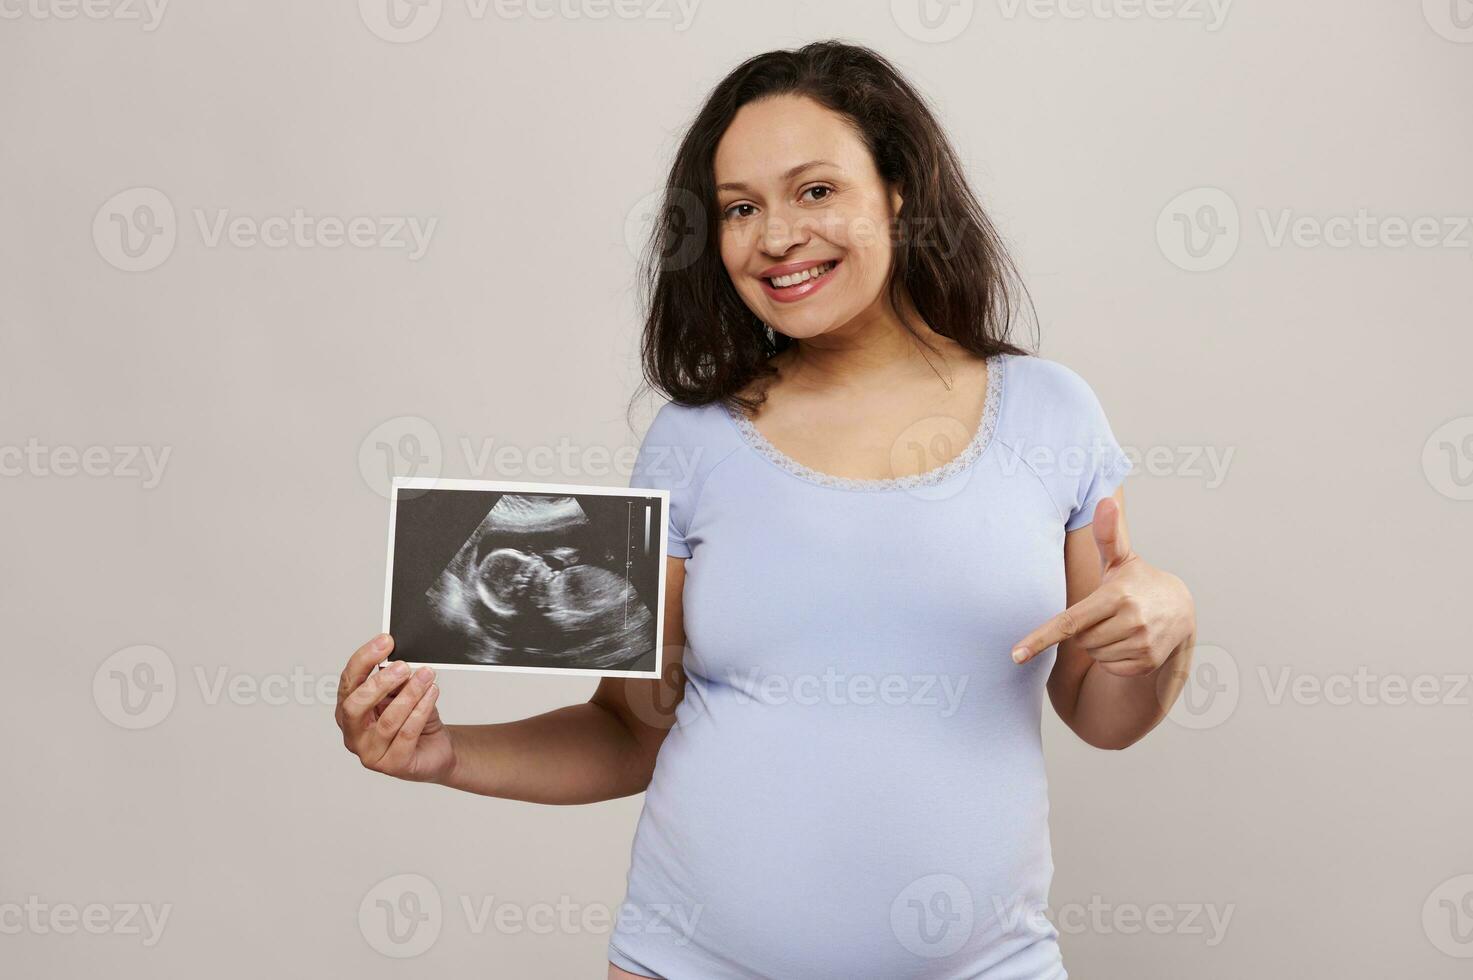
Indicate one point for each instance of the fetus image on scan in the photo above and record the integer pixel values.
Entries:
(537, 583)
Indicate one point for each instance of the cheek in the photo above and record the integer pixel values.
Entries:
(863, 229)
(869, 270)
(734, 255)
(865, 239)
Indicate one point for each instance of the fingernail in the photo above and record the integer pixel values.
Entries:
(1019, 653)
(399, 668)
(423, 674)
(381, 642)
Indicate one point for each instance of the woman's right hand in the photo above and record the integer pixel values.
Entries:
(399, 734)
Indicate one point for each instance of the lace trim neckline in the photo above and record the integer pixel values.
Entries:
(969, 455)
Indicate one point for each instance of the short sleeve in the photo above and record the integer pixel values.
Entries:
(668, 460)
(1092, 456)
(1053, 422)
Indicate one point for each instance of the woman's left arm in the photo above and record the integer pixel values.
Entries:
(1125, 640)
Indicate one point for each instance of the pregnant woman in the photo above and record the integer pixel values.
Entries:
(890, 532)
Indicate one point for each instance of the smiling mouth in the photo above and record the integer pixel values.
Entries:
(799, 278)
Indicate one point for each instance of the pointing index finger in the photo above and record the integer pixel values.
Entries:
(1082, 615)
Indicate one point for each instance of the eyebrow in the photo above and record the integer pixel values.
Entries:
(789, 175)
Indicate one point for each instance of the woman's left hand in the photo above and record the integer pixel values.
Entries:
(1137, 617)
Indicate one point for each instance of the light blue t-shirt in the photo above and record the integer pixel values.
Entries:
(854, 784)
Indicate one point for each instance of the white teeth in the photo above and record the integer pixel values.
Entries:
(783, 281)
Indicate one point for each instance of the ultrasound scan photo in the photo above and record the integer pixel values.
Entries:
(550, 580)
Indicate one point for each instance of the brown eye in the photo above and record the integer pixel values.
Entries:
(827, 191)
(728, 212)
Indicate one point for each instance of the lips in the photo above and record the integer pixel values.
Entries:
(798, 280)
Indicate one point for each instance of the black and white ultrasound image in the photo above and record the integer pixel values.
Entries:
(524, 579)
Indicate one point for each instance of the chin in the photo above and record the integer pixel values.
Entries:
(801, 332)
(804, 327)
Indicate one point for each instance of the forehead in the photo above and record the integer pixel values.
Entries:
(767, 137)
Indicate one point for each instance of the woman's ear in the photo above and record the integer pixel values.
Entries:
(896, 198)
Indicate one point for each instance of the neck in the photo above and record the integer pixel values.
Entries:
(870, 349)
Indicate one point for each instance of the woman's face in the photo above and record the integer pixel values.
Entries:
(796, 191)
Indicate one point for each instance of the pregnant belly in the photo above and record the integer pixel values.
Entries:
(784, 838)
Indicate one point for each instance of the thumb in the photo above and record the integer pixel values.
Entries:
(1110, 537)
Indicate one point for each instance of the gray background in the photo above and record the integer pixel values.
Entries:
(1333, 834)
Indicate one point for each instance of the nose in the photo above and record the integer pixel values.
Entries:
(782, 230)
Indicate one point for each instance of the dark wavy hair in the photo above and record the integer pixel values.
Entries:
(701, 343)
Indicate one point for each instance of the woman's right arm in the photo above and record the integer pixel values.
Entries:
(602, 749)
